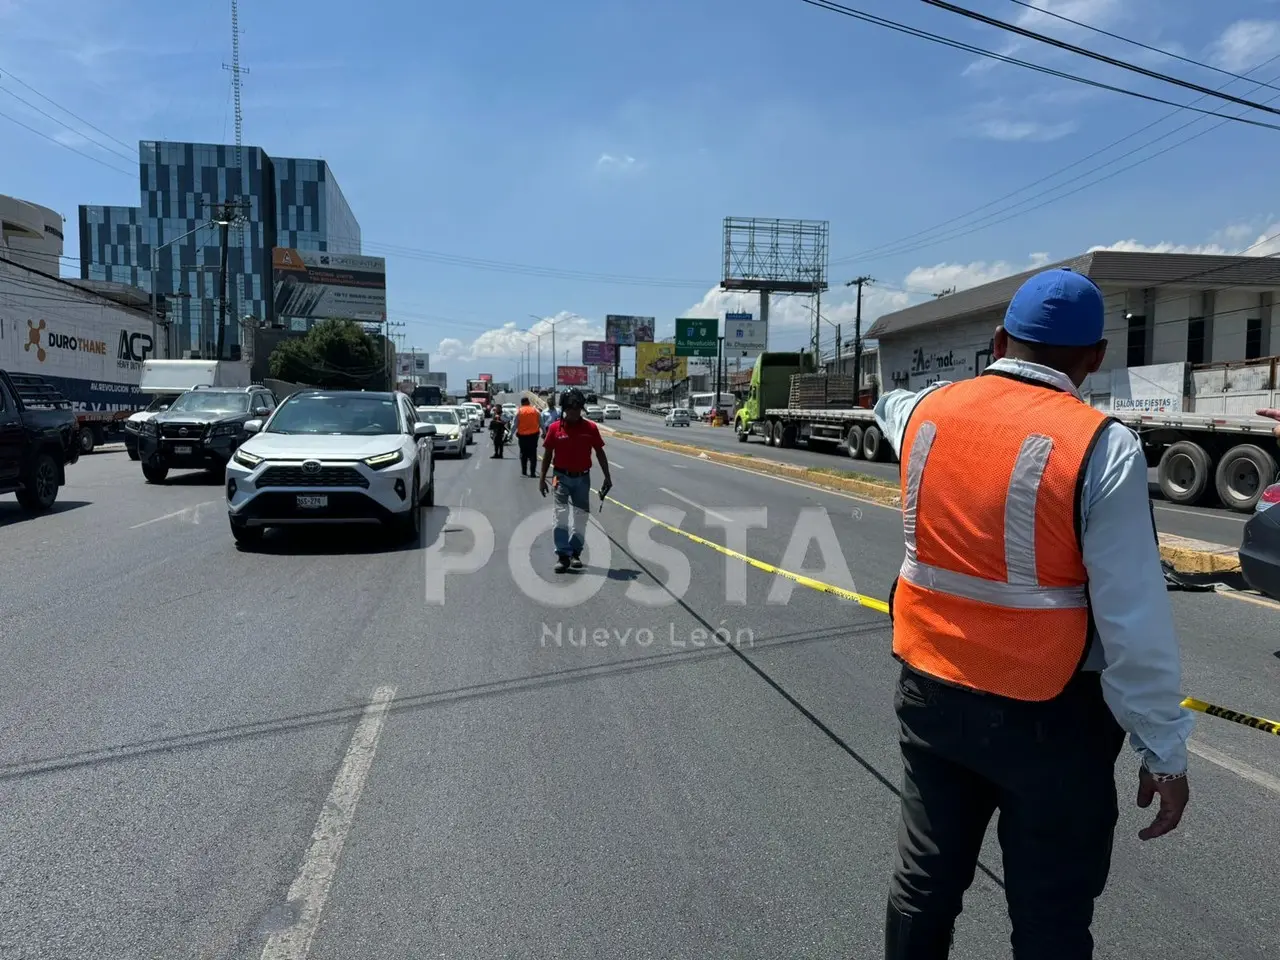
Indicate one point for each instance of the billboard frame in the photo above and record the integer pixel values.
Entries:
(586, 375)
(775, 255)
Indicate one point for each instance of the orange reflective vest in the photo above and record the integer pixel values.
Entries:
(993, 592)
(528, 421)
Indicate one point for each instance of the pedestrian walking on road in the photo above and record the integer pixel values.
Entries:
(498, 431)
(568, 447)
(550, 415)
(528, 427)
(1034, 628)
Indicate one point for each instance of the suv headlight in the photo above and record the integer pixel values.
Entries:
(149, 427)
(225, 430)
(245, 458)
(384, 460)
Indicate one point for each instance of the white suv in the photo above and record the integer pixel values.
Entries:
(333, 456)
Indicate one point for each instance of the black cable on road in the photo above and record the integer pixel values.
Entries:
(782, 691)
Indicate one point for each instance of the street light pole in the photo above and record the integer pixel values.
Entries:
(155, 268)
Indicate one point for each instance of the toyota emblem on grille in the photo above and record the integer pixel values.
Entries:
(311, 466)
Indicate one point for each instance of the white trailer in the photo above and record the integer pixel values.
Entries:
(89, 348)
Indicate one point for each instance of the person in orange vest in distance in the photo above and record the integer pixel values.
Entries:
(1034, 628)
(528, 430)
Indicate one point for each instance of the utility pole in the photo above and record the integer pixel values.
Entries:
(857, 336)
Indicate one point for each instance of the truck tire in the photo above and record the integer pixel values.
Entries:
(788, 438)
(873, 445)
(155, 474)
(87, 440)
(1243, 473)
(1185, 473)
(246, 535)
(853, 442)
(39, 484)
(769, 435)
(133, 454)
(741, 429)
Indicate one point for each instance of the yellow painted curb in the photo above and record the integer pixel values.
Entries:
(1184, 554)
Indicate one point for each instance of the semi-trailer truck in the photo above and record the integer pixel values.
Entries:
(481, 391)
(1199, 458)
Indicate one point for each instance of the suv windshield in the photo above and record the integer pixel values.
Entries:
(437, 416)
(211, 401)
(336, 413)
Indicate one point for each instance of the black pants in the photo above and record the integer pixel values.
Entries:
(497, 444)
(1049, 768)
(528, 452)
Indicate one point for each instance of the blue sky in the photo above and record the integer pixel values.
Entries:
(608, 139)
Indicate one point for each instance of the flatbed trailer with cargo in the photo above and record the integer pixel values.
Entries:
(1199, 458)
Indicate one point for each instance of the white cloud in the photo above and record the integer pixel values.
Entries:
(510, 341)
(962, 276)
(1233, 239)
(1246, 44)
(1031, 130)
(617, 163)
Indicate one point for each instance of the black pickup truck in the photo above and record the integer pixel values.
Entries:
(39, 436)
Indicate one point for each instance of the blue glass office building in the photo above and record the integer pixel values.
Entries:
(284, 202)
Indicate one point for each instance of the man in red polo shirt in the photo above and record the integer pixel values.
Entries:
(568, 445)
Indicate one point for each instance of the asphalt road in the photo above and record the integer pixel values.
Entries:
(206, 752)
(1214, 524)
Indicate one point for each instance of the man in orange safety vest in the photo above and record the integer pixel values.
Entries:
(1031, 618)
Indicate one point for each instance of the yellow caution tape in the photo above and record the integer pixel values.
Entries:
(1235, 716)
(1191, 703)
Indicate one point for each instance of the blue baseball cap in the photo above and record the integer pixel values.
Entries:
(1057, 308)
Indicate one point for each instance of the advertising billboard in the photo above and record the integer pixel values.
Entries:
(413, 364)
(484, 376)
(599, 353)
(571, 376)
(628, 331)
(658, 361)
(743, 336)
(321, 286)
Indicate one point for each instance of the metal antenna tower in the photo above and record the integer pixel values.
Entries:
(234, 67)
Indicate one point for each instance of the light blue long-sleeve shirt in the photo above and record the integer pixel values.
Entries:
(1135, 647)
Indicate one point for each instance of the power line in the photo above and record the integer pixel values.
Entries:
(44, 113)
(1095, 55)
(892, 248)
(1137, 43)
(67, 146)
(74, 116)
(833, 7)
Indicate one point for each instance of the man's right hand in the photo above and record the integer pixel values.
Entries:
(1174, 796)
(1272, 414)
(542, 486)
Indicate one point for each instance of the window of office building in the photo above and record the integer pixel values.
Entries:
(1137, 353)
(1253, 338)
(1195, 340)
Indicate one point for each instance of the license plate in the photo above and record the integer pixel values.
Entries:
(182, 451)
(312, 503)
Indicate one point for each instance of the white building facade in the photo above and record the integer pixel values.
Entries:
(1182, 309)
(30, 235)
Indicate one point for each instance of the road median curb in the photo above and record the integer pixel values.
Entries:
(1184, 554)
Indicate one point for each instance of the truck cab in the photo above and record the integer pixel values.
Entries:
(770, 388)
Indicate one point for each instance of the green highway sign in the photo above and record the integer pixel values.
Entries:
(697, 338)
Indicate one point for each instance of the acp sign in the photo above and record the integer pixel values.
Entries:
(134, 349)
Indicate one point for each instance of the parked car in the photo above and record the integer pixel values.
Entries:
(39, 437)
(678, 418)
(595, 412)
(1260, 548)
(333, 456)
(200, 430)
(612, 411)
(449, 438)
